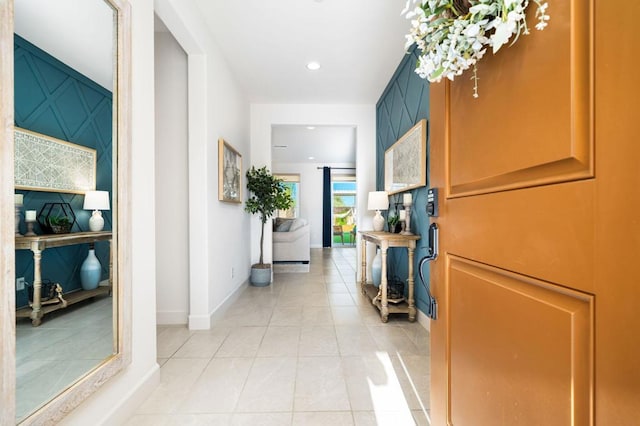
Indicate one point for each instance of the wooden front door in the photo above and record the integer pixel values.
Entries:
(538, 278)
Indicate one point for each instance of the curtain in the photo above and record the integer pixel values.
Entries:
(327, 233)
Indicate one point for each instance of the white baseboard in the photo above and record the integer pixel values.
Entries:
(199, 322)
(121, 412)
(424, 320)
(204, 322)
(172, 317)
(219, 310)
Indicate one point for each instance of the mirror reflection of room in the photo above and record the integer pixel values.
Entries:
(64, 186)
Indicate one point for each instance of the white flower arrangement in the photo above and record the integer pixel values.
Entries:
(453, 35)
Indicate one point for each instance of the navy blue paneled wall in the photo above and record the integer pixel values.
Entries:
(55, 100)
(404, 102)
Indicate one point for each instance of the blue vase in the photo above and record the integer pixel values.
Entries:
(90, 271)
(376, 269)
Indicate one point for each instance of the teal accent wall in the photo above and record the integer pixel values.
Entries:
(404, 102)
(53, 99)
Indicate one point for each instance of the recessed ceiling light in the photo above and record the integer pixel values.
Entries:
(312, 158)
(313, 66)
(310, 127)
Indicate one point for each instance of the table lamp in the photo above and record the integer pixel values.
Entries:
(378, 200)
(96, 201)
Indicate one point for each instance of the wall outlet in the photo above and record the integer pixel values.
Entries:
(20, 284)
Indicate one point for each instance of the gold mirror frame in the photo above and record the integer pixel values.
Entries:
(74, 395)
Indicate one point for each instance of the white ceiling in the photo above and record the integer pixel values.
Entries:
(267, 43)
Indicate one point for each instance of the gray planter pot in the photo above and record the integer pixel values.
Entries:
(260, 276)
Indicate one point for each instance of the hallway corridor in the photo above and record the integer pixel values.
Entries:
(307, 350)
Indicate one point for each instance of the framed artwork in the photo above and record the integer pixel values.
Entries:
(229, 173)
(44, 163)
(405, 162)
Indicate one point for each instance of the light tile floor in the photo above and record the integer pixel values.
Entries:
(307, 350)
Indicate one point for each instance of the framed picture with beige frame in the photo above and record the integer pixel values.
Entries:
(229, 173)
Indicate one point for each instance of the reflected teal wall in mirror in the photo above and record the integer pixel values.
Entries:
(53, 99)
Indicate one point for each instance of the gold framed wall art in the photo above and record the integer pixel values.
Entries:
(229, 173)
(405, 162)
(44, 163)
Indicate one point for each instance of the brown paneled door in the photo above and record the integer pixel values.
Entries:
(538, 281)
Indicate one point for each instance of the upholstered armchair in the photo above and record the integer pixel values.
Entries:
(291, 240)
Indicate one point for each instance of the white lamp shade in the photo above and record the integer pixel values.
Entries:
(378, 200)
(96, 200)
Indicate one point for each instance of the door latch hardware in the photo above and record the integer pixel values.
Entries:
(432, 254)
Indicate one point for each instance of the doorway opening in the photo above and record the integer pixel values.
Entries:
(172, 189)
(343, 189)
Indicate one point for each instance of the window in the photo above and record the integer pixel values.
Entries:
(292, 185)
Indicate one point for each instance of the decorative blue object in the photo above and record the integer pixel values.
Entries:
(90, 271)
(376, 268)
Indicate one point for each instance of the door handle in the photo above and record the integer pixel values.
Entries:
(432, 254)
(432, 249)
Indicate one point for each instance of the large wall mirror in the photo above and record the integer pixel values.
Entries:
(69, 138)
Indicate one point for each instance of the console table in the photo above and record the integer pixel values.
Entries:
(40, 243)
(378, 295)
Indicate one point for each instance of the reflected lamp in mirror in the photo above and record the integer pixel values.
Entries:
(378, 200)
(96, 201)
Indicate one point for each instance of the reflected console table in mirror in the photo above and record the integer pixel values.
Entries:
(38, 244)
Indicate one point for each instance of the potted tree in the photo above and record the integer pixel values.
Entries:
(266, 195)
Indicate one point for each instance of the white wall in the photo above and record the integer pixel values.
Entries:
(311, 188)
(172, 184)
(363, 117)
(120, 395)
(218, 232)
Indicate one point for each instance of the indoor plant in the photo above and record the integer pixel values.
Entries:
(59, 224)
(266, 195)
(394, 222)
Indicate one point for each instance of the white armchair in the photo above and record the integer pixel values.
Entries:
(291, 241)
